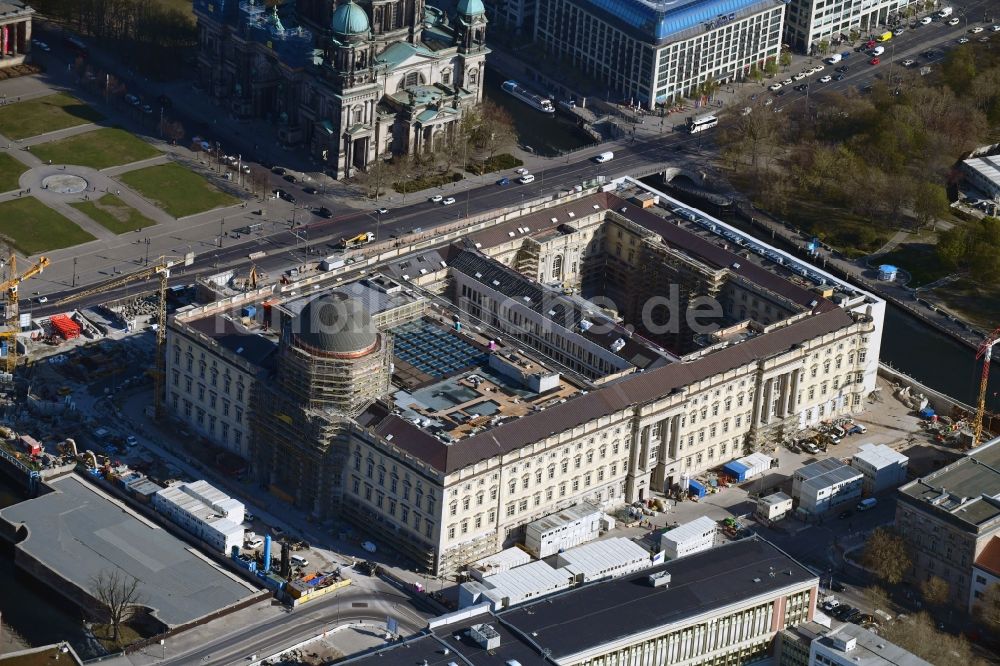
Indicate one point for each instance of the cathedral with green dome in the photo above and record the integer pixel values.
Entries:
(350, 81)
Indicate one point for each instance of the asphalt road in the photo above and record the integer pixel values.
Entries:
(313, 237)
(352, 604)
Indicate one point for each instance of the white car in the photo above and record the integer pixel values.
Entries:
(817, 68)
(995, 28)
(954, 21)
(520, 171)
(131, 441)
(787, 82)
(909, 62)
(40, 45)
(963, 40)
(255, 542)
(436, 198)
(975, 31)
(769, 101)
(43, 299)
(926, 20)
(369, 546)
(774, 86)
(449, 201)
(826, 79)
(526, 178)
(799, 76)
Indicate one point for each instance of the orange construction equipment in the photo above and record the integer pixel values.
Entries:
(986, 354)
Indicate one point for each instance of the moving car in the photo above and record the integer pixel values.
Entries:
(503, 181)
(309, 189)
(926, 20)
(954, 21)
(449, 201)
(984, 39)
(963, 40)
(436, 198)
(839, 77)
(382, 211)
(40, 45)
(826, 79)
(323, 211)
(368, 546)
(774, 86)
(131, 441)
(995, 28)
(146, 108)
(132, 99)
(43, 299)
(909, 62)
(843, 68)
(290, 178)
(875, 60)
(526, 178)
(976, 30)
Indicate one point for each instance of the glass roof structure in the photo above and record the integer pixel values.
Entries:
(661, 18)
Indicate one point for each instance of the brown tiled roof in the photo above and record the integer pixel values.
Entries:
(717, 255)
(631, 390)
(989, 557)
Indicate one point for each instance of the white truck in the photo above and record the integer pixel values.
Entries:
(834, 59)
(945, 12)
(605, 157)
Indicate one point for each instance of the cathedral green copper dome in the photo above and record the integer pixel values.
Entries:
(471, 7)
(351, 19)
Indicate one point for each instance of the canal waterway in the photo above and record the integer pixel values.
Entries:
(547, 134)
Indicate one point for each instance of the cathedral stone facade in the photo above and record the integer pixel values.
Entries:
(349, 81)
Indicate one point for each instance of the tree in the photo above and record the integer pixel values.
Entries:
(952, 246)
(119, 596)
(935, 591)
(920, 635)
(877, 597)
(258, 180)
(824, 46)
(785, 59)
(930, 202)
(490, 130)
(854, 36)
(887, 555)
(755, 73)
(374, 178)
(959, 69)
(771, 67)
(987, 609)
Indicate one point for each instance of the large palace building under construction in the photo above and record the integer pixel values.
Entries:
(600, 346)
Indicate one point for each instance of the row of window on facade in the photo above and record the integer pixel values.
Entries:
(380, 500)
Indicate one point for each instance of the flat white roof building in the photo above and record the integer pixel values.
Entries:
(774, 506)
(883, 467)
(509, 588)
(563, 530)
(826, 485)
(204, 511)
(608, 558)
(984, 173)
(505, 560)
(692, 537)
(851, 645)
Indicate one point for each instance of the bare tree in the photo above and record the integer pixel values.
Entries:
(935, 590)
(887, 556)
(118, 593)
(987, 608)
(258, 181)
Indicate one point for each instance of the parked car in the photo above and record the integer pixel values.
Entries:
(131, 441)
(309, 189)
(843, 68)
(40, 45)
(520, 171)
(909, 62)
(436, 198)
(369, 546)
(865, 618)
(800, 76)
(255, 542)
(774, 86)
(278, 171)
(787, 82)
(995, 28)
(147, 109)
(838, 587)
(839, 77)
(845, 514)
(984, 39)
(976, 29)
(963, 40)
(290, 178)
(287, 197)
(323, 211)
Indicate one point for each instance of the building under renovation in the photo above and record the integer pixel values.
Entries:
(477, 381)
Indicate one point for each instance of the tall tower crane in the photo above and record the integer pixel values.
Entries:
(161, 271)
(12, 318)
(986, 354)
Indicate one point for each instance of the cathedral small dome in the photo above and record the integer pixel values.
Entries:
(471, 7)
(350, 19)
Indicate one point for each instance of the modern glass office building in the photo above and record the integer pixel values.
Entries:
(649, 52)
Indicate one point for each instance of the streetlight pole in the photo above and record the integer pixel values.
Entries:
(74, 271)
(147, 252)
(222, 230)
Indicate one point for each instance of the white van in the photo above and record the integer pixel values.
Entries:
(299, 561)
(604, 157)
(878, 50)
(526, 178)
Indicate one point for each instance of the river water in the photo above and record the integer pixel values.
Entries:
(547, 134)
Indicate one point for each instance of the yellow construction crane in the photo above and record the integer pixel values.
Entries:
(12, 318)
(986, 354)
(161, 271)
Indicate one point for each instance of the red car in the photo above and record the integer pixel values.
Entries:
(870, 44)
(875, 61)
